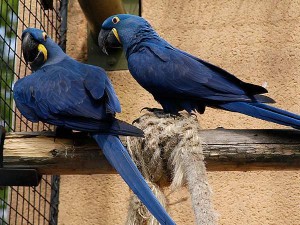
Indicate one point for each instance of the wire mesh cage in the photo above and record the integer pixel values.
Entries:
(26, 205)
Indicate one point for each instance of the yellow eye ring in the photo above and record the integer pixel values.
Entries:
(115, 20)
(45, 36)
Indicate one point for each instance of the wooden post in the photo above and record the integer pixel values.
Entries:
(224, 150)
(251, 149)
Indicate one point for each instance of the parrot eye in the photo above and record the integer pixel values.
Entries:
(115, 20)
(45, 36)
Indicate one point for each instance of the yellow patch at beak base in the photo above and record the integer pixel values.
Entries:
(42, 49)
(114, 30)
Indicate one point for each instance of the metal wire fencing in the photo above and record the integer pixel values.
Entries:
(26, 205)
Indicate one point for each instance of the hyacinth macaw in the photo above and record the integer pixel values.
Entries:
(66, 93)
(180, 81)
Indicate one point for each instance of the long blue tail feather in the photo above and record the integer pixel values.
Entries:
(119, 158)
(264, 112)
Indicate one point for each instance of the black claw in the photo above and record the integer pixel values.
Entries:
(136, 121)
(161, 113)
(145, 108)
(193, 114)
(154, 110)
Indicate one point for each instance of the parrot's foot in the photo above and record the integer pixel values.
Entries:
(154, 110)
(193, 114)
(160, 113)
(136, 121)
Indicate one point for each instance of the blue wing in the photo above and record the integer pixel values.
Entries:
(176, 75)
(68, 94)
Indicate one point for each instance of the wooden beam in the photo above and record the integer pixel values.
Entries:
(246, 150)
(239, 150)
(50, 155)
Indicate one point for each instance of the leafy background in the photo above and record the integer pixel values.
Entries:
(8, 29)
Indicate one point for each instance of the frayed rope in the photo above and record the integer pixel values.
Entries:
(171, 146)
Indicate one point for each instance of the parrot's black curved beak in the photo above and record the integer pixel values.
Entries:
(34, 53)
(108, 39)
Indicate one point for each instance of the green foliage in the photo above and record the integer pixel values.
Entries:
(3, 205)
(8, 30)
(6, 6)
(3, 195)
(8, 11)
(131, 6)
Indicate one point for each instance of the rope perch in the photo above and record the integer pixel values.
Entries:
(171, 146)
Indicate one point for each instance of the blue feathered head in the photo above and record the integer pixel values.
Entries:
(120, 30)
(37, 47)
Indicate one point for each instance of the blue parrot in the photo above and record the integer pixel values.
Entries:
(73, 95)
(180, 81)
